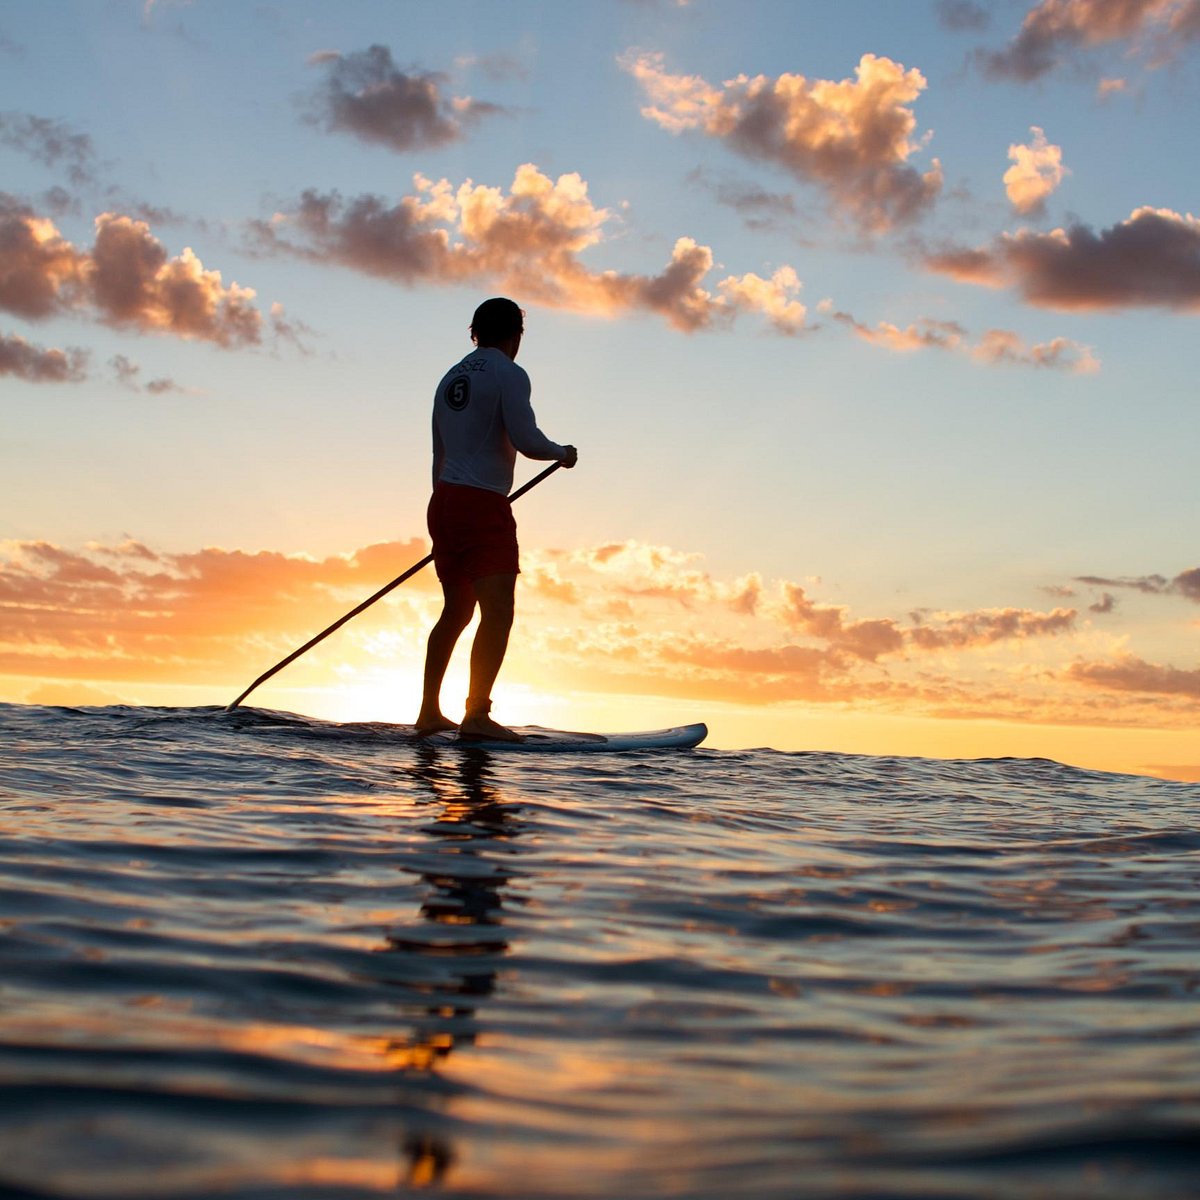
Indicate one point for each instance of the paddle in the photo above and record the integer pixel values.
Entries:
(379, 595)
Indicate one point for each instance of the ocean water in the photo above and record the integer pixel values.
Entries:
(246, 955)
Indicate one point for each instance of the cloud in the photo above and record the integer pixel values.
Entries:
(126, 611)
(1060, 353)
(866, 639)
(128, 374)
(852, 138)
(1036, 172)
(994, 347)
(617, 617)
(960, 16)
(774, 298)
(50, 142)
(291, 329)
(758, 208)
(528, 241)
(643, 573)
(1186, 583)
(364, 94)
(1052, 30)
(23, 360)
(1150, 260)
(127, 279)
(924, 333)
(1130, 674)
(795, 650)
(958, 631)
(1111, 87)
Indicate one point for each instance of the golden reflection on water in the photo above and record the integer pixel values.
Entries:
(465, 894)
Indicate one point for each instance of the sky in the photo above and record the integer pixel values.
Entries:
(874, 324)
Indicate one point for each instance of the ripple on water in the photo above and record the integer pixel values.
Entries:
(256, 955)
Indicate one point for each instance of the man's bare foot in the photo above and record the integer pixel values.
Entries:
(433, 722)
(480, 727)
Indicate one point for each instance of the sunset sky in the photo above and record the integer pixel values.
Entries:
(875, 325)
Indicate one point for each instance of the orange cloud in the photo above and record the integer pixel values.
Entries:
(1150, 260)
(23, 360)
(127, 279)
(866, 639)
(129, 612)
(1036, 172)
(527, 241)
(853, 137)
(995, 346)
(1053, 29)
(366, 95)
(621, 617)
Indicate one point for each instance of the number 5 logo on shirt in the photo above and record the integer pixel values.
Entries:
(458, 393)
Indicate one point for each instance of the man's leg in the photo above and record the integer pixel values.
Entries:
(458, 606)
(495, 594)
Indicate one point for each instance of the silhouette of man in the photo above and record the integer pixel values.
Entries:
(481, 418)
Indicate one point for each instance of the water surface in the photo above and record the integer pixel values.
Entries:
(249, 956)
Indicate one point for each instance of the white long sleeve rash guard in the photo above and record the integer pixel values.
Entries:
(481, 418)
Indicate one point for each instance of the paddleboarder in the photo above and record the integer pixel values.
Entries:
(481, 418)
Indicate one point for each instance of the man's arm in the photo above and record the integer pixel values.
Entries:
(522, 426)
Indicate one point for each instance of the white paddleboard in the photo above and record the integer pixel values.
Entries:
(534, 737)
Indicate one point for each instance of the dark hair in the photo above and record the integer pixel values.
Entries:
(495, 321)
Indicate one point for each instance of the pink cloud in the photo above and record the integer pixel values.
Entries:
(1036, 173)
(127, 279)
(528, 241)
(1150, 260)
(24, 360)
(994, 346)
(853, 137)
(1131, 674)
(1054, 29)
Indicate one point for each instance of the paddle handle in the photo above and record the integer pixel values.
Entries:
(379, 595)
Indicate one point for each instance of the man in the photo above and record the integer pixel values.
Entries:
(481, 418)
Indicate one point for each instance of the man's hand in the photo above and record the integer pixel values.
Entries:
(572, 457)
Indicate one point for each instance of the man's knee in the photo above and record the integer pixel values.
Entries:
(496, 596)
(458, 607)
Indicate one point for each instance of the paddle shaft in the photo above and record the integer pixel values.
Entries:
(379, 595)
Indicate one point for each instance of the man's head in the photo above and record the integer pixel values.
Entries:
(497, 322)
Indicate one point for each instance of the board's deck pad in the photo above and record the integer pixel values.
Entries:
(536, 738)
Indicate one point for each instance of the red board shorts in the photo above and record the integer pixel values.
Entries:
(474, 534)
